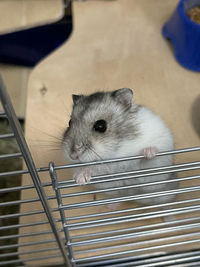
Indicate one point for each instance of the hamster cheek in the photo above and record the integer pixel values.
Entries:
(65, 152)
(103, 151)
(68, 158)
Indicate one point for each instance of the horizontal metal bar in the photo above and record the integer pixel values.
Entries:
(87, 216)
(136, 174)
(191, 261)
(60, 167)
(15, 226)
(11, 254)
(24, 187)
(130, 186)
(18, 202)
(187, 201)
(129, 218)
(140, 243)
(146, 258)
(128, 198)
(135, 235)
(136, 250)
(8, 135)
(13, 173)
(14, 215)
(20, 172)
(15, 188)
(29, 213)
(27, 244)
(24, 235)
(134, 229)
(192, 264)
(164, 153)
(9, 262)
(13, 155)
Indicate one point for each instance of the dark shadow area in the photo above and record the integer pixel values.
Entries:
(195, 115)
(9, 146)
(27, 47)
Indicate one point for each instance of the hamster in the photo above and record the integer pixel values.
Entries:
(107, 125)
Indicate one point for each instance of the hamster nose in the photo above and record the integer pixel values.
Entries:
(74, 156)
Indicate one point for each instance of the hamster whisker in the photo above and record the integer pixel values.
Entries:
(53, 149)
(99, 157)
(56, 137)
(64, 143)
(49, 148)
(50, 135)
(45, 142)
(49, 145)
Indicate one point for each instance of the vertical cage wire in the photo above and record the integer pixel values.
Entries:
(62, 215)
(17, 134)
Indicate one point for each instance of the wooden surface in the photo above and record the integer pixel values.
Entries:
(114, 44)
(17, 15)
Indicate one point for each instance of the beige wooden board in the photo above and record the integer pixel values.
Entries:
(17, 14)
(16, 79)
(114, 44)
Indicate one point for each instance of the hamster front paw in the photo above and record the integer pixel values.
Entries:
(82, 176)
(149, 152)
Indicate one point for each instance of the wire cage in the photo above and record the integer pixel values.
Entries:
(87, 232)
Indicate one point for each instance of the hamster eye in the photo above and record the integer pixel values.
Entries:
(70, 122)
(100, 126)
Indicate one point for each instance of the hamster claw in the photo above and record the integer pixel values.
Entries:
(150, 152)
(83, 176)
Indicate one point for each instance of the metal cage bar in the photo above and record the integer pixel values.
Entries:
(176, 227)
(18, 134)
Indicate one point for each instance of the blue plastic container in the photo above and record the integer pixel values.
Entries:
(185, 35)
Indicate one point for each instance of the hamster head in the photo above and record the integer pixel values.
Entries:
(99, 123)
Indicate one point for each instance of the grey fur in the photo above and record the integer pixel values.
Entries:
(125, 132)
(100, 105)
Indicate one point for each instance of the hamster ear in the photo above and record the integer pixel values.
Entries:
(76, 98)
(124, 96)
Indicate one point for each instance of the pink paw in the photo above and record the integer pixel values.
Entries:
(150, 152)
(83, 176)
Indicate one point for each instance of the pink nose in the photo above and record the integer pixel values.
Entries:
(74, 156)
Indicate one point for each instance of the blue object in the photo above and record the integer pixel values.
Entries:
(27, 47)
(185, 35)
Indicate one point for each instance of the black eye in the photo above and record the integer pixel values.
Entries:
(100, 126)
(70, 122)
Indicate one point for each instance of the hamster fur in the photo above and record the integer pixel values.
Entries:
(107, 125)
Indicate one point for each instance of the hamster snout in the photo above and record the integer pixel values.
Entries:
(74, 156)
(76, 151)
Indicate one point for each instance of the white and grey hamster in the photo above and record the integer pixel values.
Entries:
(107, 125)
